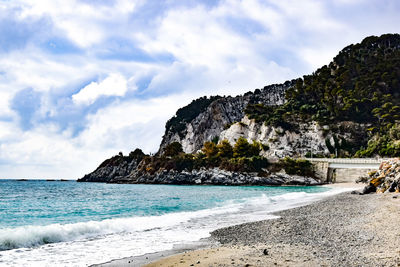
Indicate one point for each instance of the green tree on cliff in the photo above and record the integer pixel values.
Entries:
(225, 150)
(173, 149)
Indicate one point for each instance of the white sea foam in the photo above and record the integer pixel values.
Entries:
(81, 244)
(30, 236)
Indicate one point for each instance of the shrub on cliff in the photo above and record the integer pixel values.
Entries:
(297, 166)
(223, 155)
(173, 149)
(186, 114)
(243, 164)
(184, 162)
(361, 85)
(243, 148)
(137, 154)
(383, 143)
(210, 150)
(225, 150)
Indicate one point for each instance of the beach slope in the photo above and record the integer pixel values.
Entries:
(342, 230)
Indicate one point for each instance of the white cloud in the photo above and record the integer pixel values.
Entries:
(44, 152)
(135, 123)
(33, 68)
(211, 50)
(114, 85)
(83, 23)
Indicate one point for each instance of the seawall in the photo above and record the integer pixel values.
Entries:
(343, 170)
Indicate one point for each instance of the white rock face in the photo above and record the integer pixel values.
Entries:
(225, 118)
(309, 138)
(221, 114)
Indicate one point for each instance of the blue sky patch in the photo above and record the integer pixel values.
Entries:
(125, 50)
(26, 103)
(60, 46)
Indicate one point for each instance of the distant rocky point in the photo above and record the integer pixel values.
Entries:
(349, 108)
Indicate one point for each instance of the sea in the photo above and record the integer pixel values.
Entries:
(65, 223)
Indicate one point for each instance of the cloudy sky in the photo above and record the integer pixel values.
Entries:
(81, 80)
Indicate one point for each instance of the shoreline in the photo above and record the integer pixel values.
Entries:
(147, 258)
(341, 230)
(208, 245)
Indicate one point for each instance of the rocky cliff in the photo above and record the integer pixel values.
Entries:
(350, 107)
(115, 168)
(220, 115)
(132, 174)
(213, 176)
(309, 139)
(225, 118)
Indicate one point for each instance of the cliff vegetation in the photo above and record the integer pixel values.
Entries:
(348, 108)
(361, 84)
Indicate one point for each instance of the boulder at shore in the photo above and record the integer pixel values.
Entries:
(386, 179)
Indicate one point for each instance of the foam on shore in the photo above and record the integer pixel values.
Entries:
(122, 237)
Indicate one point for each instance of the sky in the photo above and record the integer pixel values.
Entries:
(81, 80)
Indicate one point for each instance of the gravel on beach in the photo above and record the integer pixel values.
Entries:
(343, 230)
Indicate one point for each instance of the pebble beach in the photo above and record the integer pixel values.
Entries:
(342, 230)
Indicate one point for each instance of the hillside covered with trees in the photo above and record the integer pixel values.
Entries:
(361, 84)
(357, 95)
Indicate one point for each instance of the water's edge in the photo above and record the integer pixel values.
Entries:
(204, 243)
(151, 257)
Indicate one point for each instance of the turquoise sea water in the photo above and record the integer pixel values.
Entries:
(46, 223)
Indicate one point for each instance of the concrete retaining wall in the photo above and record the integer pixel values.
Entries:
(347, 175)
(343, 170)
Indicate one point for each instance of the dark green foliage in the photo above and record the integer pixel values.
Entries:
(243, 164)
(309, 155)
(387, 144)
(210, 151)
(225, 150)
(243, 148)
(137, 153)
(329, 146)
(186, 114)
(173, 149)
(215, 139)
(264, 147)
(362, 85)
(288, 115)
(363, 77)
(271, 115)
(297, 166)
(114, 161)
(184, 162)
(255, 149)
(179, 163)
(211, 155)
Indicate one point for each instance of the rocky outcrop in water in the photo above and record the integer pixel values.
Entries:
(214, 176)
(386, 179)
(347, 108)
(116, 167)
